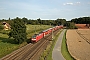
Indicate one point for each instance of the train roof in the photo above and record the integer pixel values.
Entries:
(44, 30)
(47, 30)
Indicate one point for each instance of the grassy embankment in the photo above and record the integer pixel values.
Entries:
(7, 45)
(47, 54)
(64, 49)
(33, 29)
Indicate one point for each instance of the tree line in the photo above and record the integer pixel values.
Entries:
(81, 20)
(68, 24)
(38, 21)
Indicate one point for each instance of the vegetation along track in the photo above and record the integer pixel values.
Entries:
(30, 51)
(83, 37)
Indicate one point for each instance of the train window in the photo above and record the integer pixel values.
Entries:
(34, 36)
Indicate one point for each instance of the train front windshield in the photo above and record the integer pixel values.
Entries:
(34, 36)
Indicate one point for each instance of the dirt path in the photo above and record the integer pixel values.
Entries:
(77, 46)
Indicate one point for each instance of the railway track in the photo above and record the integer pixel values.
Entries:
(32, 56)
(83, 37)
(30, 51)
(16, 53)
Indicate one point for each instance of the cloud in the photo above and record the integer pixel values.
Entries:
(68, 4)
(76, 3)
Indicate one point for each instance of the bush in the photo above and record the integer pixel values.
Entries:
(1, 27)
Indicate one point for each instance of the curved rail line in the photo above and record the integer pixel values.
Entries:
(34, 55)
(30, 51)
(13, 54)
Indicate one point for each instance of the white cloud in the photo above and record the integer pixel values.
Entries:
(77, 3)
(68, 4)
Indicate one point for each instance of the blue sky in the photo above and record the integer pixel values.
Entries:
(44, 9)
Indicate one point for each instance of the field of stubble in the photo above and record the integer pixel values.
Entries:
(78, 43)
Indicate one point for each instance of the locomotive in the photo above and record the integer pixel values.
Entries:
(44, 33)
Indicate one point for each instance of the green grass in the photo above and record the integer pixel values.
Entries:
(64, 49)
(6, 48)
(7, 45)
(48, 52)
(33, 29)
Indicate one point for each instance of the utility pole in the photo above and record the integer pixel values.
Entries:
(35, 29)
(52, 34)
(41, 24)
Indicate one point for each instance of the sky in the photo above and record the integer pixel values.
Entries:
(44, 9)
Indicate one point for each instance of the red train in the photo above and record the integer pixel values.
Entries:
(44, 33)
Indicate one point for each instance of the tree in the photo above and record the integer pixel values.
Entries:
(71, 25)
(9, 18)
(18, 31)
(39, 20)
(61, 21)
(25, 20)
(81, 20)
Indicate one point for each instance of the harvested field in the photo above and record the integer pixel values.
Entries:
(78, 43)
(84, 33)
(81, 26)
